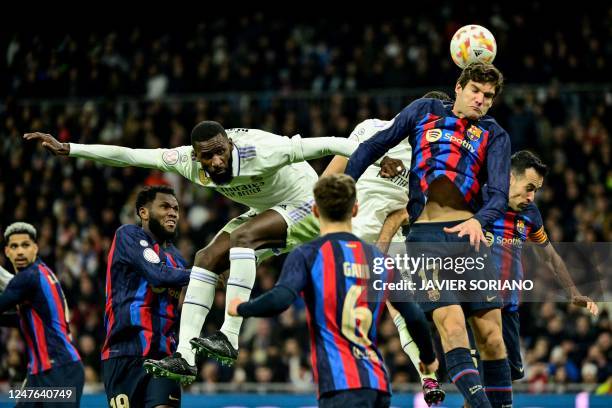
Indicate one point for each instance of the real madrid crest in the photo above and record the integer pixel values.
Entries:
(204, 179)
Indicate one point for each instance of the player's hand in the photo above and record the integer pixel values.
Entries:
(428, 369)
(471, 228)
(50, 143)
(232, 308)
(390, 168)
(587, 303)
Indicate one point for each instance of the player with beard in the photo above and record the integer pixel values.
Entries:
(261, 170)
(144, 277)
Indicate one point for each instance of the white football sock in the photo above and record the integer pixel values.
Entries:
(409, 346)
(198, 300)
(239, 285)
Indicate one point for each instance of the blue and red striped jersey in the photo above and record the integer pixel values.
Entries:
(143, 287)
(331, 274)
(508, 234)
(469, 153)
(43, 317)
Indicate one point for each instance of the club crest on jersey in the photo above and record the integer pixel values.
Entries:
(433, 135)
(204, 179)
(520, 226)
(474, 133)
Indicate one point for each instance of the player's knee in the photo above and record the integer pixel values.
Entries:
(205, 258)
(492, 346)
(242, 238)
(456, 333)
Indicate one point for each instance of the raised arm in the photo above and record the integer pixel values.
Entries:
(116, 156)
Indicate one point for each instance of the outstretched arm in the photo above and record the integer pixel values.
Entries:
(556, 264)
(117, 156)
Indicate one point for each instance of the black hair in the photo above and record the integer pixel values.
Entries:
(148, 194)
(524, 159)
(206, 130)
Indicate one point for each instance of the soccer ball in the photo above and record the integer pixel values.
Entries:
(472, 43)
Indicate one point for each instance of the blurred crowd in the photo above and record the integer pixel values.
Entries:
(262, 52)
(77, 205)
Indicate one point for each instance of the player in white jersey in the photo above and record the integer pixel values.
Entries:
(262, 170)
(382, 211)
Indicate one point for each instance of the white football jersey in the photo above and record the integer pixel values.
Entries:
(378, 196)
(264, 174)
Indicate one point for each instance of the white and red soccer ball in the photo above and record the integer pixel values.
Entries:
(472, 43)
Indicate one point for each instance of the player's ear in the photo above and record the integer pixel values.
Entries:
(315, 211)
(355, 209)
(143, 213)
(458, 88)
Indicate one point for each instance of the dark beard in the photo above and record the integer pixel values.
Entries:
(224, 178)
(159, 232)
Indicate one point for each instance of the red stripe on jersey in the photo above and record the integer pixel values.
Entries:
(330, 294)
(362, 301)
(35, 365)
(41, 341)
(108, 309)
(313, 347)
(475, 167)
(57, 301)
(146, 320)
(426, 147)
(455, 150)
(507, 248)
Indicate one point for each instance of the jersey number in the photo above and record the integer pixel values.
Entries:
(351, 314)
(120, 401)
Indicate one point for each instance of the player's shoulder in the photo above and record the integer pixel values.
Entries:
(532, 213)
(490, 124)
(242, 135)
(30, 273)
(130, 230)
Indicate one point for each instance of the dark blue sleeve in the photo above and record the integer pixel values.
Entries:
(498, 179)
(294, 275)
(271, 303)
(17, 290)
(537, 233)
(145, 261)
(292, 280)
(376, 146)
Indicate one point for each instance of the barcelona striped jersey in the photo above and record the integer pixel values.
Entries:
(143, 287)
(43, 317)
(469, 153)
(331, 274)
(507, 235)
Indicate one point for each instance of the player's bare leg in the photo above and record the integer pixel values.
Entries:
(487, 328)
(450, 322)
(268, 229)
(432, 393)
(209, 262)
